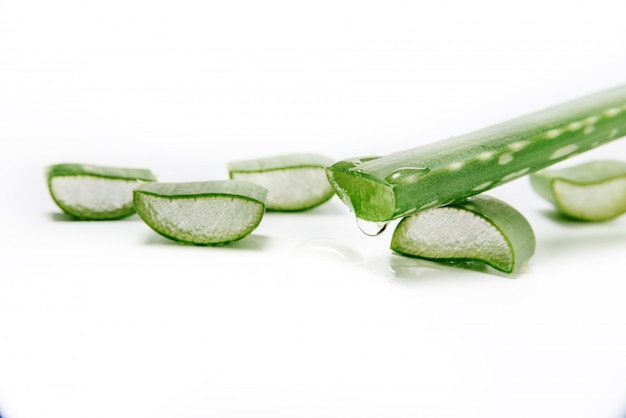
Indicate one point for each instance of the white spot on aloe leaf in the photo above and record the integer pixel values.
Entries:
(591, 120)
(553, 133)
(612, 112)
(613, 133)
(574, 126)
(563, 151)
(589, 129)
(482, 186)
(484, 156)
(455, 166)
(516, 174)
(505, 159)
(516, 146)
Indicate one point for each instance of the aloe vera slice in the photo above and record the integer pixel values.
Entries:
(294, 182)
(201, 213)
(593, 191)
(380, 189)
(480, 228)
(94, 192)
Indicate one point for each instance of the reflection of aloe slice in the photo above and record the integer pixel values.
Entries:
(594, 191)
(95, 192)
(202, 213)
(480, 228)
(294, 182)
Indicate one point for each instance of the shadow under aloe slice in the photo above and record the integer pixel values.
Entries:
(480, 228)
(593, 191)
(92, 192)
(202, 213)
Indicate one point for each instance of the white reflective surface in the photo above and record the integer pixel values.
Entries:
(307, 317)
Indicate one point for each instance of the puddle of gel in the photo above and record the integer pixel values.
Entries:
(328, 249)
(410, 270)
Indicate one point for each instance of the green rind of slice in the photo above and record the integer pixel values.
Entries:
(91, 192)
(201, 213)
(480, 228)
(100, 171)
(593, 191)
(295, 182)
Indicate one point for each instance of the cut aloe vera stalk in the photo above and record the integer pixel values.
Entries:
(202, 213)
(93, 192)
(594, 191)
(384, 188)
(294, 182)
(480, 228)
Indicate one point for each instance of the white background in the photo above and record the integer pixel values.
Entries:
(109, 319)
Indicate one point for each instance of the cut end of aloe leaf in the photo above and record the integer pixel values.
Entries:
(294, 182)
(481, 228)
(202, 213)
(594, 191)
(95, 192)
(366, 196)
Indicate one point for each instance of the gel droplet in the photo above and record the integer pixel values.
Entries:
(406, 175)
(371, 229)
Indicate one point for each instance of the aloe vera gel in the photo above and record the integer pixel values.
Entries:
(480, 228)
(202, 213)
(92, 192)
(294, 182)
(593, 191)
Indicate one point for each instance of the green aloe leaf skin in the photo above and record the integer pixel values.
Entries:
(295, 182)
(202, 213)
(479, 229)
(381, 189)
(92, 192)
(593, 191)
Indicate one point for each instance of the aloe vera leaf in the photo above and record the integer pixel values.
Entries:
(593, 191)
(480, 228)
(93, 192)
(295, 182)
(384, 188)
(201, 213)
